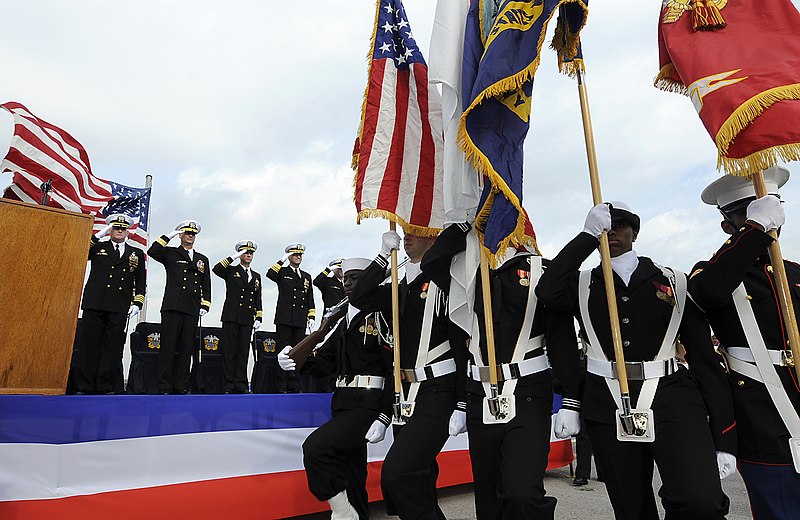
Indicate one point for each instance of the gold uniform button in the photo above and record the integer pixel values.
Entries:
(110, 276)
(120, 288)
(108, 286)
(184, 287)
(749, 297)
(728, 241)
(741, 228)
(240, 305)
(740, 382)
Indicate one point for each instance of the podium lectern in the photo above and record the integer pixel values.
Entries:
(43, 255)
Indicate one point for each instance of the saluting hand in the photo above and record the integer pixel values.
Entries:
(103, 232)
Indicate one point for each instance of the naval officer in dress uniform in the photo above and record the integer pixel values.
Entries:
(433, 361)
(737, 290)
(241, 314)
(359, 355)
(509, 456)
(113, 294)
(691, 413)
(295, 309)
(187, 295)
(330, 283)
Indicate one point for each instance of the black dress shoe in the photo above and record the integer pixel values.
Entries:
(580, 481)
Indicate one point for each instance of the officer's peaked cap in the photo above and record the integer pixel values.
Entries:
(621, 212)
(190, 226)
(119, 220)
(248, 245)
(336, 263)
(296, 249)
(728, 190)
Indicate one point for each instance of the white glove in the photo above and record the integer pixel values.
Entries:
(256, 324)
(203, 312)
(376, 432)
(726, 464)
(458, 423)
(237, 254)
(133, 311)
(567, 424)
(389, 241)
(172, 234)
(284, 361)
(284, 258)
(103, 232)
(597, 220)
(767, 212)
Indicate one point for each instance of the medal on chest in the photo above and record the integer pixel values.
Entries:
(133, 262)
(664, 293)
(424, 293)
(201, 266)
(524, 277)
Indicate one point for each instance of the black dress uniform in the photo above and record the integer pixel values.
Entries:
(241, 308)
(684, 445)
(410, 471)
(335, 454)
(116, 281)
(188, 290)
(295, 307)
(331, 288)
(763, 436)
(509, 460)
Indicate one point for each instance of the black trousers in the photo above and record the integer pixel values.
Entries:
(286, 335)
(335, 458)
(178, 341)
(410, 471)
(686, 459)
(583, 448)
(509, 461)
(100, 351)
(235, 353)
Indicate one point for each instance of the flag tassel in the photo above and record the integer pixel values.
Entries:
(706, 16)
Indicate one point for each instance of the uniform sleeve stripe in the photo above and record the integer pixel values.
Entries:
(276, 267)
(695, 273)
(384, 419)
(205, 302)
(381, 261)
(259, 314)
(161, 241)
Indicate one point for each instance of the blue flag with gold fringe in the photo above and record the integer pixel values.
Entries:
(502, 46)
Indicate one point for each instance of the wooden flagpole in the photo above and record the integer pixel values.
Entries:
(396, 328)
(489, 322)
(148, 183)
(779, 270)
(605, 256)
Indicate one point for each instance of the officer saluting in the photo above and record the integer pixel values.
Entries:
(241, 314)
(295, 309)
(686, 417)
(187, 295)
(330, 283)
(737, 290)
(113, 294)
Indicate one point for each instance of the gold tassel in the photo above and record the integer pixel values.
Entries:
(706, 16)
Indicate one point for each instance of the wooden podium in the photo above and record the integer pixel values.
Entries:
(43, 255)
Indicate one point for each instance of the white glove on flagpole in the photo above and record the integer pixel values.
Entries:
(376, 432)
(597, 220)
(726, 464)
(203, 312)
(767, 212)
(389, 241)
(103, 232)
(458, 423)
(567, 423)
(284, 361)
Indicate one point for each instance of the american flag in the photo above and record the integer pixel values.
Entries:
(40, 151)
(398, 153)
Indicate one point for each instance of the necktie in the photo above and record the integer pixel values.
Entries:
(249, 276)
(119, 250)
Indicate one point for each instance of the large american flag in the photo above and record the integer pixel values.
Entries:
(40, 151)
(398, 153)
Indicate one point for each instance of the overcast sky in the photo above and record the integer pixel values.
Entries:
(245, 113)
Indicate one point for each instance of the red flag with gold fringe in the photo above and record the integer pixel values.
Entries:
(739, 63)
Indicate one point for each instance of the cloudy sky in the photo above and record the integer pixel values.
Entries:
(245, 113)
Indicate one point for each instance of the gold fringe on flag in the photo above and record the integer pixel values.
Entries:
(664, 80)
(565, 43)
(354, 160)
(410, 229)
(745, 115)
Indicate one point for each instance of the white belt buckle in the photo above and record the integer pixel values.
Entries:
(505, 408)
(794, 447)
(644, 426)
